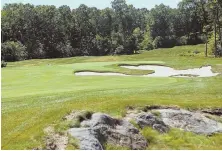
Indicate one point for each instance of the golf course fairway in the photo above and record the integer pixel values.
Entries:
(37, 93)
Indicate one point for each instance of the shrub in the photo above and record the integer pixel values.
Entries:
(13, 51)
(119, 50)
(4, 64)
(146, 45)
(164, 42)
(182, 41)
(170, 41)
(65, 49)
(158, 42)
(195, 38)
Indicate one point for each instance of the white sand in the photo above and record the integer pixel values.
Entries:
(160, 71)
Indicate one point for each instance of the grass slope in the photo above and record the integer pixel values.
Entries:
(36, 93)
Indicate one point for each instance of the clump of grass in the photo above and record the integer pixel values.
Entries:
(73, 144)
(135, 124)
(123, 113)
(150, 135)
(177, 139)
(156, 113)
(64, 125)
(214, 117)
(84, 115)
(74, 124)
(115, 147)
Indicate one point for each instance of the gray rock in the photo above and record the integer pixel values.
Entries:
(98, 119)
(102, 129)
(148, 119)
(86, 138)
(190, 121)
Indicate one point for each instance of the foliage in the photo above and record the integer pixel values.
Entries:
(146, 44)
(158, 42)
(3, 64)
(13, 51)
(211, 43)
(50, 32)
(182, 41)
(73, 144)
(119, 50)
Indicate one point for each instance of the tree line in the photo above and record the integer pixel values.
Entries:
(44, 31)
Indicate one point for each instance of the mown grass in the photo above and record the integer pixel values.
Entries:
(36, 93)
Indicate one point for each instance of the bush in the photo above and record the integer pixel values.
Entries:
(4, 64)
(182, 41)
(13, 51)
(195, 38)
(65, 49)
(170, 41)
(146, 45)
(164, 42)
(158, 42)
(119, 50)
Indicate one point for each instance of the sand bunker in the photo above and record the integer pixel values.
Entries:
(162, 71)
(159, 71)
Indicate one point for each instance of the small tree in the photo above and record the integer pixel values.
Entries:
(13, 51)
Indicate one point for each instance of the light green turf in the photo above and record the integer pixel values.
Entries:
(36, 93)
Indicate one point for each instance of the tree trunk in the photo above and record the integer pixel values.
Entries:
(215, 39)
(206, 44)
(215, 36)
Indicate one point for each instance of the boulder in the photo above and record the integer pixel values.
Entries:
(102, 129)
(195, 122)
(148, 119)
(99, 119)
(87, 139)
(190, 121)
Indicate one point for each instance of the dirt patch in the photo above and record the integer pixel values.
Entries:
(54, 141)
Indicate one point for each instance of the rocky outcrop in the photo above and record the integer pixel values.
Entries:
(101, 129)
(97, 129)
(148, 119)
(190, 121)
(176, 118)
